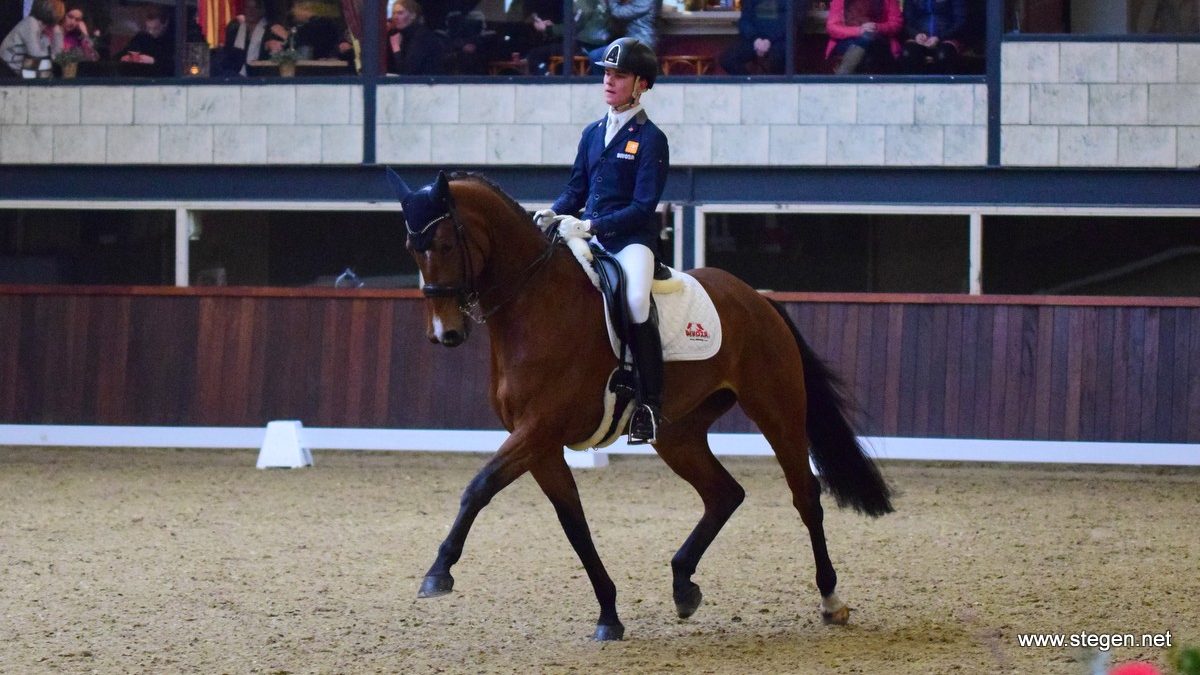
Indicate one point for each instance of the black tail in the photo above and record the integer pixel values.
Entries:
(845, 468)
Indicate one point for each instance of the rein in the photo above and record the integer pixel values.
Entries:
(469, 298)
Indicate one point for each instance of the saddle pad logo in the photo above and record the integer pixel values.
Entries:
(696, 332)
(631, 147)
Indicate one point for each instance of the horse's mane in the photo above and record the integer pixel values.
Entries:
(479, 178)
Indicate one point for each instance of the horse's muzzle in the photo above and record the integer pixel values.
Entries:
(453, 338)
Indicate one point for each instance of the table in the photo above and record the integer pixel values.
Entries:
(324, 67)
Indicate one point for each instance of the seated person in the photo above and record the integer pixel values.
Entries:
(154, 45)
(412, 49)
(244, 41)
(636, 19)
(463, 27)
(864, 33)
(762, 32)
(591, 37)
(933, 29)
(75, 33)
(38, 35)
(313, 33)
(525, 25)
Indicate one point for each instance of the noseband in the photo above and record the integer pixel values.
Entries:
(468, 296)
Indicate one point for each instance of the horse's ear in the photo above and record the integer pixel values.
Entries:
(398, 184)
(441, 188)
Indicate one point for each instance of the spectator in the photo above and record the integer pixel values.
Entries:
(591, 37)
(38, 35)
(864, 33)
(933, 29)
(75, 33)
(636, 19)
(526, 24)
(154, 45)
(463, 27)
(412, 49)
(244, 40)
(313, 33)
(762, 31)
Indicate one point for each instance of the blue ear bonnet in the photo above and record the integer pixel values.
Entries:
(423, 210)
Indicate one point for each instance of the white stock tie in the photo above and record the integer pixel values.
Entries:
(610, 131)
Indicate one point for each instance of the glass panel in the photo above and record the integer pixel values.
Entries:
(288, 38)
(1032, 255)
(846, 253)
(1103, 17)
(87, 247)
(299, 248)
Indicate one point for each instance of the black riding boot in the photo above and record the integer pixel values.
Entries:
(648, 359)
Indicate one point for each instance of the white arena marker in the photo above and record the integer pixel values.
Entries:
(586, 459)
(282, 448)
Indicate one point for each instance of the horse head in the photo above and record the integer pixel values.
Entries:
(440, 244)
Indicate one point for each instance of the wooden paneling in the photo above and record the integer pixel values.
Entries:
(924, 366)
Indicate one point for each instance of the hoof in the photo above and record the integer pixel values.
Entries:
(688, 600)
(607, 633)
(434, 586)
(838, 617)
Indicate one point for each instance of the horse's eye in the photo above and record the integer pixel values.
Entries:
(445, 247)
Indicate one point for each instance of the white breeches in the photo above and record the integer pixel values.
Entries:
(638, 263)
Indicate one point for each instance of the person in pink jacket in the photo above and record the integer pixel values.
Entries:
(865, 33)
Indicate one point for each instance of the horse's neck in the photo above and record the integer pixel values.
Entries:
(515, 246)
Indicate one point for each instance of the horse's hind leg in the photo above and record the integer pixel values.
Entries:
(683, 445)
(783, 425)
(554, 477)
(506, 466)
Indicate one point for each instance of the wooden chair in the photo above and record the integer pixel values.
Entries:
(513, 67)
(699, 65)
(580, 65)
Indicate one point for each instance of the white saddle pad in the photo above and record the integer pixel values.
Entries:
(687, 322)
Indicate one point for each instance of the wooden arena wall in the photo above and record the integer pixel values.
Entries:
(920, 366)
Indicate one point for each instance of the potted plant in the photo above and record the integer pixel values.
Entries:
(287, 57)
(68, 61)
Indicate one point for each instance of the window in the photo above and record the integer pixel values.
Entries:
(842, 252)
(1035, 255)
(87, 247)
(1103, 17)
(299, 248)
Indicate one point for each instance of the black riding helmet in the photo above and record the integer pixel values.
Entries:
(633, 55)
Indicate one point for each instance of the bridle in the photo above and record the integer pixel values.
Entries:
(468, 296)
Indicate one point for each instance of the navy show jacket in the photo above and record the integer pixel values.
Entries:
(618, 187)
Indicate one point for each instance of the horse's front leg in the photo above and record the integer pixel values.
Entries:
(554, 477)
(509, 462)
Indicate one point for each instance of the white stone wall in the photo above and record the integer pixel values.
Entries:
(706, 124)
(268, 124)
(1100, 104)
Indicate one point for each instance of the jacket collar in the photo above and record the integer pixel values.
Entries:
(629, 128)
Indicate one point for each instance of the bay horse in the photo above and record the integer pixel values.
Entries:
(482, 258)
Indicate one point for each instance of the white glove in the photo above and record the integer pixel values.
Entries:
(570, 227)
(544, 219)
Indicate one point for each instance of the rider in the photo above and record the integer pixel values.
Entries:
(617, 180)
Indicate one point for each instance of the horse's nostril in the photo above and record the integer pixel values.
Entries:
(452, 338)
